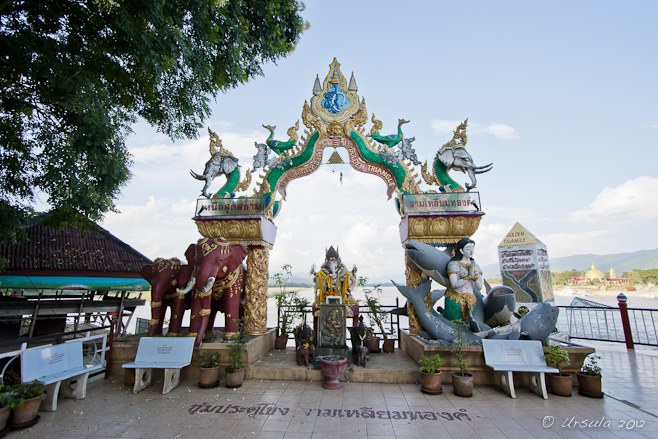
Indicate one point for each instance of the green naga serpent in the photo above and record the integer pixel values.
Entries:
(453, 155)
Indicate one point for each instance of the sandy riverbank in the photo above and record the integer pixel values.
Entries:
(641, 291)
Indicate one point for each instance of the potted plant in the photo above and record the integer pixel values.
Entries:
(430, 374)
(462, 381)
(561, 383)
(208, 364)
(236, 355)
(589, 377)
(31, 394)
(283, 302)
(377, 316)
(7, 402)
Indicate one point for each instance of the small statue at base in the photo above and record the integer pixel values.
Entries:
(334, 280)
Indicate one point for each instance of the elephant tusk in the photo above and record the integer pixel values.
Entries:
(187, 289)
(483, 169)
(209, 284)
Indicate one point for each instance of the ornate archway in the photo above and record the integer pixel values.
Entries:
(336, 117)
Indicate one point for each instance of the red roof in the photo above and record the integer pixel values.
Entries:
(89, 249)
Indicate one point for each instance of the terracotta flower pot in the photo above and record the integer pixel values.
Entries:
(389, 345)
(430, 383)
(374, 345)
(234, 377)
(281, 341)
(208, 377)
(561, 383)
(4, 417)
(27, 413)
(462, 384)
(589, 385)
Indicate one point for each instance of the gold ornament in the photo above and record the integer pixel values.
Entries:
(447, 229)
(255, 300)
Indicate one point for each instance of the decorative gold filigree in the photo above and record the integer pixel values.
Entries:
(244, 184)
(442, 229)
(292, 132)
(161, 264)
(210, 244)
(255, 300)
(228, 281)
(335, 129)
(313, 122)
(459, 138)
(204, 312)
(377, 125)
(156, 304)
(235, 231)
(413, 275)
(429, 178)
(357, 121)
(216, 144)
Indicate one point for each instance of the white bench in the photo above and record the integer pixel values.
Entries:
(508, 356)
(170, 354)
(55, 365)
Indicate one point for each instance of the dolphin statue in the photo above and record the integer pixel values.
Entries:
(434, 264)
(538, 324)
(499, 304)
(438, 327)
(431, 261)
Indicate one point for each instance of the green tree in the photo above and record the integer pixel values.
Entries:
(75, 74)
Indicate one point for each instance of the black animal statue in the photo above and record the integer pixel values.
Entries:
(361, 336)
(305, 349)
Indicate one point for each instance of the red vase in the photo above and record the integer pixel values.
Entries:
(332, 367)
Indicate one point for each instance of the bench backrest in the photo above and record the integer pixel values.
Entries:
(159, 349)
(43, 361)
(514, 352)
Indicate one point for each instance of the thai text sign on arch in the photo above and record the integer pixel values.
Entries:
(449, 203)
(211, 207)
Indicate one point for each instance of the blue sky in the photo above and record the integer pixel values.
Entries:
(560, 96)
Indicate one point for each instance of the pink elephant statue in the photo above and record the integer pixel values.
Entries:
(165, 275)
(218, 281)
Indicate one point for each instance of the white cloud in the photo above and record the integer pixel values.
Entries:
(487, 238)
(498, 130)
(157, 228)
(444, 126)
(634, 200)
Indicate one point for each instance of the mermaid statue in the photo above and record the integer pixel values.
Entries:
(465, 275)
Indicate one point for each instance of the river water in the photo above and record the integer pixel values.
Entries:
(388, 296)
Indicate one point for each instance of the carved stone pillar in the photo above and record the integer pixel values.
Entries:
(413, 274)
(255, 300)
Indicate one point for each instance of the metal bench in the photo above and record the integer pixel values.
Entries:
(61, 368)
(170, 354)
(508, 356)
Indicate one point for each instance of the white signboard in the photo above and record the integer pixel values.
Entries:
(449, 203)
(212, 207)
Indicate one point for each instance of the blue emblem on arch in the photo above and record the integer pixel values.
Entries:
(335, 100)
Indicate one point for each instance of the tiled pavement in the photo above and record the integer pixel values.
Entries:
(304, 410)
